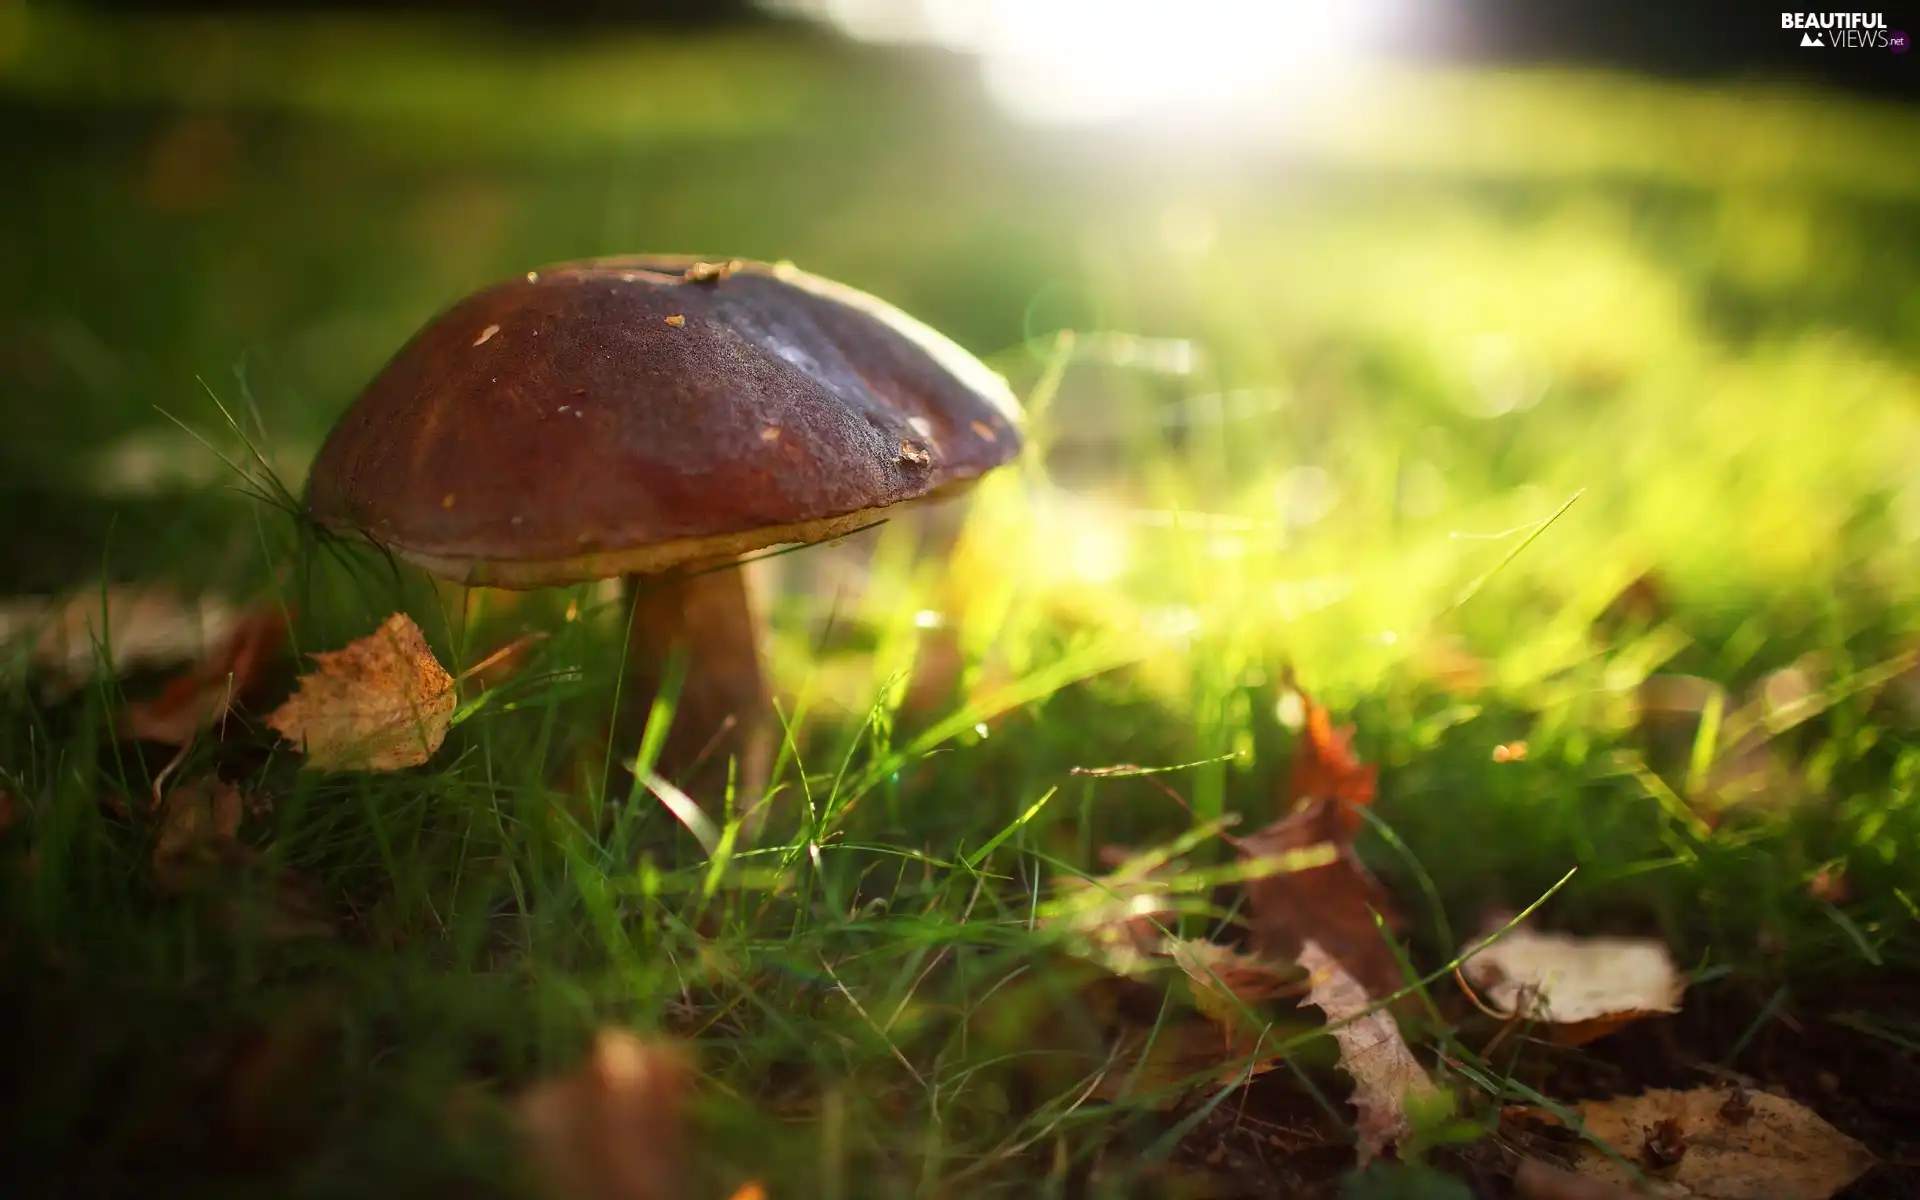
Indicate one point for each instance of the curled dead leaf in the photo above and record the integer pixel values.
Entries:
(615, 1127)
(119, 627)
(200, 697)
(381, 703)
(1584, 987)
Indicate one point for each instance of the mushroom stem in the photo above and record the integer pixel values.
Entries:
(723, 711)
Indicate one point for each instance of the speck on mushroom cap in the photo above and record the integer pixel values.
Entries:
(638, 414)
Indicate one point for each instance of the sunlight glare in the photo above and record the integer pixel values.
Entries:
(1084, 62)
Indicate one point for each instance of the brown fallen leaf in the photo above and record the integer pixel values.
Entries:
(1584, 987)
(201, 697)
(615, 1127)
(198, 851)
(1325, 766)
(1311, 886)
(382, 703)
(1226, 982)
(1778, 1150)
(1385, 1073)
(199, 835)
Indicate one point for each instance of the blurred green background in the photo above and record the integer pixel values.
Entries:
(1334, 360)
(1513, 278)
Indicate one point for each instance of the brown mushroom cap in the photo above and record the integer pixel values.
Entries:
(632, 415)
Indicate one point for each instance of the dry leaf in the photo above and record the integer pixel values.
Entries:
(1225, 982)
(1772, 1149)
(1586, 987)
(1332, 900)
(199, 698)
(613, 1129)
(199, 835)
(382, 703)
(198, 849)
(1385, 1073)
(1312, 886)
(133, 627)
(1325, 766)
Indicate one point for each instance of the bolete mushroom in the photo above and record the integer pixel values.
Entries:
(659, 416)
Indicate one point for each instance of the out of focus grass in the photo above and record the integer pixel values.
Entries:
(1323, 384)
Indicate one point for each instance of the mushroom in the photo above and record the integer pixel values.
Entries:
(659, 417)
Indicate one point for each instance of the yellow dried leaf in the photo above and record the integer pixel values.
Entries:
(381, 703)
(1767, 1149)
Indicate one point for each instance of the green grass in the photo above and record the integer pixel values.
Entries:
(1413, 338)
